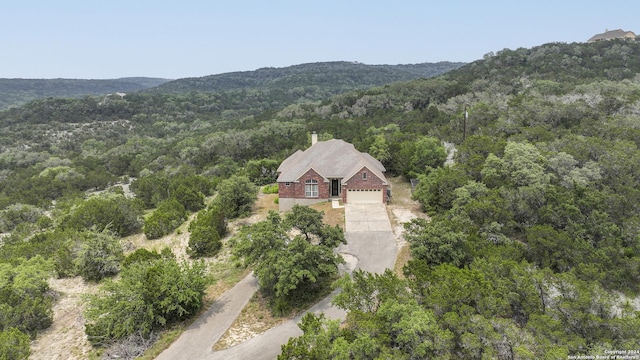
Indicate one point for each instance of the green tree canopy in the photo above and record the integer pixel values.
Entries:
(290, 268)
(150, 295)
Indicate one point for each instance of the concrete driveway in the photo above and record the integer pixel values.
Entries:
(370, 237)
(366, 218)
(370, 240)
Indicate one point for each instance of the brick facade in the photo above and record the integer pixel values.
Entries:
(296, 190)
(358, 182)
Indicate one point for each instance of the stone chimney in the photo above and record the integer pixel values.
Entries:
(314, 138)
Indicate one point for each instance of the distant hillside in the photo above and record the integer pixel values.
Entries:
(327, 78)
(559, 62)
(19, 91)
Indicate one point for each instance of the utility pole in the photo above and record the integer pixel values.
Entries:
(464, 123)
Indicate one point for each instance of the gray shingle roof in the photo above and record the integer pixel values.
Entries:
(331, 159)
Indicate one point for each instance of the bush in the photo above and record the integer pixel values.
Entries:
(192, 200)
(270, 189)
(165, 219)
(14, 345)
(140, 255)
(99, 256)
(25, 301)
(236, 196)
(149, 296)
(204, 241)
(206, 231)
(116, 212)
(16, 214)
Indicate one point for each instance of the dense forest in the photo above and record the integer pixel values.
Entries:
(531, 251)
(14, 92)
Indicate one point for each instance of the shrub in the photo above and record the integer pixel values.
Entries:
(25, 300)
(14, 345)
(236, 196)
(192, 200)
(204, 241)
(149, 296)
(116, 212)
(140, 255)
(270, 189)
(165, 219)
(99, 256)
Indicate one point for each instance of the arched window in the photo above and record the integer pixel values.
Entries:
(311, 188)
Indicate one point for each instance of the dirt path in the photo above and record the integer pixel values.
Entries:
(65, 339)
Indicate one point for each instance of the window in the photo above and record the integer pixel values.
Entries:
(364, 176)
(287, 183)
(311, 188)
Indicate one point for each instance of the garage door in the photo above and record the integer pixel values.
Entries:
(364, 196)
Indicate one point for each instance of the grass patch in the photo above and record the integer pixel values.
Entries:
(332, 216)
(270, 189)
(404, 255)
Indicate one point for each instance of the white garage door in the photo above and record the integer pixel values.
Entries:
(364, 196)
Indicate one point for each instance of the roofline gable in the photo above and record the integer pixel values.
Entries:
(378, 174)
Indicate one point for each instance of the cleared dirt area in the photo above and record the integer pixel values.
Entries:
(401, 210)
(65, 339)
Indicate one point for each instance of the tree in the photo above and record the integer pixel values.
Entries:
(556, 249)
(436, 191)
(99, 256)
(290, 269)
(150, 295)
(305, 219)
(364, 292)
(116, 212)
(379, 149)
(165, 219)
(421, 154)
(262, 172)
(435, 242)
(236, 195)
(315, 342)
(473, 152)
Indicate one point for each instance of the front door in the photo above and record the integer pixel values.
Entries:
(335, 187)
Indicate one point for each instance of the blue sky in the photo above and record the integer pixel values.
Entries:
(171, 39)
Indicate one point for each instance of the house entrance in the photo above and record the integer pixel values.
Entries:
(335, 187)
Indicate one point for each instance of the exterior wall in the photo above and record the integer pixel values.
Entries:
(295, 192)
(357, 182)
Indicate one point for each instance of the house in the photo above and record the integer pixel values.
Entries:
(613, 34)
(328, 170)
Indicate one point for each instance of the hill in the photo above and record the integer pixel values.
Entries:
(321, 78)
(14, 92)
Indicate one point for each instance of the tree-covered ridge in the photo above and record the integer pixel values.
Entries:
(14, 92)
(319, 79)
(566, 63)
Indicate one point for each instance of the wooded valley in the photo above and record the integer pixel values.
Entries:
(532, 250)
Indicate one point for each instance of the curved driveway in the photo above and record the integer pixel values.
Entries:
(369, 238)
